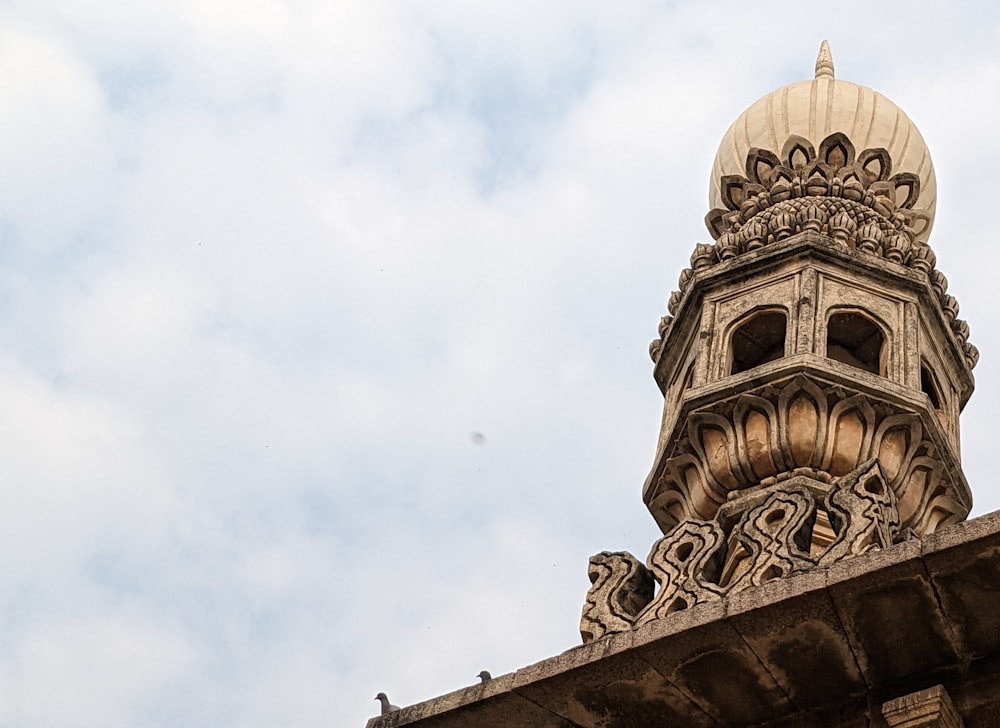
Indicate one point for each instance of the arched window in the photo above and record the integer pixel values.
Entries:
(929, 386)
(758, 340)
(853, 338)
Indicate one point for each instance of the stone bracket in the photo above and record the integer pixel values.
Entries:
(930, 708)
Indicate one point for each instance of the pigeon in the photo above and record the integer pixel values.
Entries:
(484, 676)
(387, 707)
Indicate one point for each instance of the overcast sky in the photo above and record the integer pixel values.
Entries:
(324, 325)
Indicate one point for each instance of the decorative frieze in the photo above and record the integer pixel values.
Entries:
(767, 533)
(829, 189)
(799, 425)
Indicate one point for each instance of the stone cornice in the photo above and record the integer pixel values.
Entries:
(825, 647)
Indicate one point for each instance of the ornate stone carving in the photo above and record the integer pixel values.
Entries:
(850, 197)
(862, 511)
(843, 228)
(971, 354)
(923, 259)
(703, 256)
(818, 187)
(620, 587)
(939, 283)
(767, 532)
(686, 563)
(684, 280)
(832, 218)
(674, 302)
(774, 151)
(772, 540)
(655, 346)
(778, 431)
(870, 238)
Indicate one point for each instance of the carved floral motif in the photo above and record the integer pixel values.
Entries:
(842, 191)
(774, 433)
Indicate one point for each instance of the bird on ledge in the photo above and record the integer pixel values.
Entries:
(387, 707)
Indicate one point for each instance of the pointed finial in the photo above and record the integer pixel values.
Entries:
(824, 61)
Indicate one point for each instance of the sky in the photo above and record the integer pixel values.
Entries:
(324, 325)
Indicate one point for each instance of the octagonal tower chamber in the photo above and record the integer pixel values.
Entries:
(812, 363)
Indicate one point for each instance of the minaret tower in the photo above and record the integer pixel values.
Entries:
(813, 568)
(812, 363)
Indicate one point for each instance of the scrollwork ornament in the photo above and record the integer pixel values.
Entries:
(685, 563)
(620, 588)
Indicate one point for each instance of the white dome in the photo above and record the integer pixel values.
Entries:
(813, 110)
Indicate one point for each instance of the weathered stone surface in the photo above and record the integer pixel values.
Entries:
(620, 691)
(800, 641)
(775, 537)
(713, 666)
(765, 533)
(686, 563)
(863, 513)
(976, 693)
(491, 705)
(620, 588)
(930, 708)
(964, 564)
(813, 365)
(891, 614)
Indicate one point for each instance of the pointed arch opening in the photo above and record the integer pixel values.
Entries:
(854, 338)
(929, 385)
(758, 339)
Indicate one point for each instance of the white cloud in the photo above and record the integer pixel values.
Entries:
(90, 672)
(55, 143)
